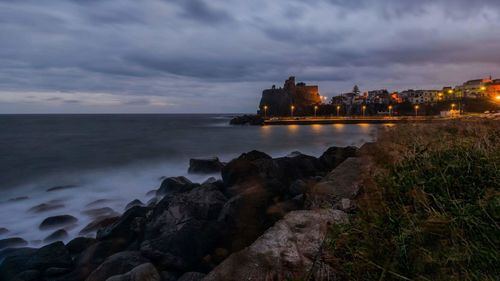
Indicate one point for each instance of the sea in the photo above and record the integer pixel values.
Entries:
(74, 160)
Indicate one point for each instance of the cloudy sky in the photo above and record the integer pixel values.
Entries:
(170, 56)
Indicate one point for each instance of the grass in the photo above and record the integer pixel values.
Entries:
(431, 209)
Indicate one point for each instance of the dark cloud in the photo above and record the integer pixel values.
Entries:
(192, 54)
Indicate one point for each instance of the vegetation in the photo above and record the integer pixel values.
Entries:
(431, 211)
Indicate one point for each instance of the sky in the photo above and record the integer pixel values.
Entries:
(216, 56)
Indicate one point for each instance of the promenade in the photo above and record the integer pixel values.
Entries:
(351, 120)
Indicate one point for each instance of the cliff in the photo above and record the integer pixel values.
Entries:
(279, 100)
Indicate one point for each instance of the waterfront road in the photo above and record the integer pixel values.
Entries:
(350, 120)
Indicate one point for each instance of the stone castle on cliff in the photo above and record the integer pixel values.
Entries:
(278, 101)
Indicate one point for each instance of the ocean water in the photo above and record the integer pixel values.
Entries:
(121, 157)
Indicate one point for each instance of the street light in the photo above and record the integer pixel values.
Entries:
(364, 109)
(416, 110)
(450, 91)
(291, 110)
(390, 110)
(497, 98)
(338, 110)
(265, 111)
(452, 106)
(315, 109)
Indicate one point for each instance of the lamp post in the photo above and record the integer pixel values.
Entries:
(338, 110)
(292, 108)
(315, 110)
(416, 110)
(265, 111)
(364, 110)
(390, 110)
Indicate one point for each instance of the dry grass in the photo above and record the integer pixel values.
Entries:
(431, 211)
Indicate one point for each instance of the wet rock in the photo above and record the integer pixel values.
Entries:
(52, 255)
(254, 155)
(97, 203)
(144, 272)
(247, 120)
(152, 202)
(134, 203)
(130, 226)
(238, 171)
(192, 276)
(298, 187)
(175, 185)
(210, 180)
(205, 165)
(79, 244)
(17, 199)
(183, 229)
(57, 235)
(333, 156)
(45, 207)
(97, 224)
(3, 230)
(61, 187)
(285, 251)
(57, 221)
(299, 166)
(168, 276)
(100, 212)
(117, 264)
(151, 193)
(12, 243)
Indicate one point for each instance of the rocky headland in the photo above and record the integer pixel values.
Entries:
(266, 219)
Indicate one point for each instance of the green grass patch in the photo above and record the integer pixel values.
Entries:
(431, 211)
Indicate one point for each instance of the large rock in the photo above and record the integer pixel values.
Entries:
(343, 182)
(45, 207)
(182, 229)
(129, 227)
(333, 156)
(191, 276)
(79, 244)
(144, 272)
(98, 223)
(247, 120)
(205, 165)
(57, 235)
(3, 230)
(116, 264)
(174, 185)
(57, 221)
(285, 251)
(12, 242)
(52, 255)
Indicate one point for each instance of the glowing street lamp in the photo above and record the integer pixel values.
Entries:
(483, 88)
(390, 110)
(450, 91)
(364, 110)
(265, 111)
(292, 108)
(453, 106)
(338, 110)
(315, 110)
(497, 98)
(416, 110)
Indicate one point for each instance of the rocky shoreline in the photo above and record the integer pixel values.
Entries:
(266, 218)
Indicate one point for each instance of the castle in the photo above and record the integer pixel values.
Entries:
(278, 101)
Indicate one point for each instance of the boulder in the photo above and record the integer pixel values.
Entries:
(192, 276)
(205, 165)
(343, 182)
(98, 223)
(29, 275)
(333, 156)
(144, 272)
(57, 221)
(285, 251)
(79, 244)
(247, 120)
(61, 187)
(129, 227)
(98, 202)
(254, 155)
(12, 243)
(134, 203)
(100, 212)
(55, 271)
(175, 185)
(3, 230)
(45, 207)
(52, 255)
(238, 171)
(182, 229)
(117, 264)
(17, 199)
(57, 235)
